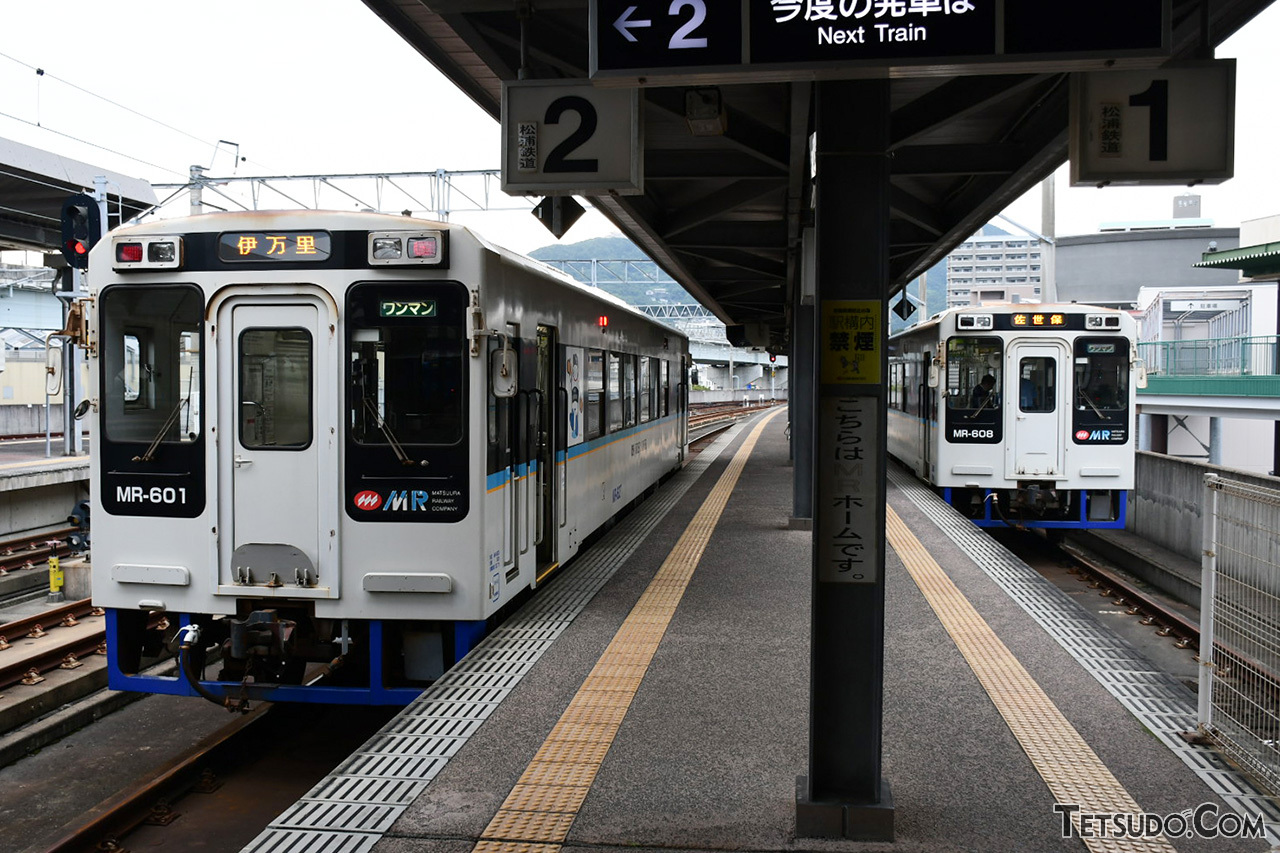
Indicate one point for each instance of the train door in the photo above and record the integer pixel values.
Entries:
(276, 457)
(1038, 439)
(544, 440)
(928, 415)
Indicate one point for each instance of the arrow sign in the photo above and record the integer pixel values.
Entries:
(623, 25)
(628, 34)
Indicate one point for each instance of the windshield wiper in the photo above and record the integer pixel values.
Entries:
(164, 428)
(1096, 410)
(386, 431)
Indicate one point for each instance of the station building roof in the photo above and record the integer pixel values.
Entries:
(724, 213)
(35, 183)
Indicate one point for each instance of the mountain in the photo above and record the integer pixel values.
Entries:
(635, 283)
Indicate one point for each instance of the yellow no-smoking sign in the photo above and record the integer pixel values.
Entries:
(849, 345)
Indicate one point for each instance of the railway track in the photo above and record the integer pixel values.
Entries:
(33, 552)
(222, 791)
(59, 638)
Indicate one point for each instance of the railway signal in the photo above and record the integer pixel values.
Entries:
(81, 228)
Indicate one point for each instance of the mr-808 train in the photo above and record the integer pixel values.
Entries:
(335, 446)
(1022, 415)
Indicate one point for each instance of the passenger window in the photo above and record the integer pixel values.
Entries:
(646, 389)
(275, 388)
(629, 390)
(615, 392)
(595, 392)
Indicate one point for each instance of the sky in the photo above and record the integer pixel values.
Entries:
(147, 88)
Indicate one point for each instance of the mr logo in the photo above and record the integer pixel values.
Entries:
(415, 501)
(1096, 435)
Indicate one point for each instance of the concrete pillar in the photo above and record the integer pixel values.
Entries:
(1215, 441)
(844, 795)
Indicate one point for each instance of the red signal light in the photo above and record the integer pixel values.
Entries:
(603, 321)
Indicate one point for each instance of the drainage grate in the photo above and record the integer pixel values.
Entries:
(1160, 702)
(348, 811)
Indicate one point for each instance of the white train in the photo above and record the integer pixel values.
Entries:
(340, 444)
(1022, 415)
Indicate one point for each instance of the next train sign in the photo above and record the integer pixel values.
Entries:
(725, 41)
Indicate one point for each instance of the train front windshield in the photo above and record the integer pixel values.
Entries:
(407, 369)
(974, 383)
(1100, 410)
(151, 386)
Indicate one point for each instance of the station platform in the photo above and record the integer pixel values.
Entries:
(24, 465)
(655, 697)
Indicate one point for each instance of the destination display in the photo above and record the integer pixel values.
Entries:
(273, 246)
(791, 39)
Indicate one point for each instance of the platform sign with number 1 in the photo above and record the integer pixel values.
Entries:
(1171, 125)
(566, 137)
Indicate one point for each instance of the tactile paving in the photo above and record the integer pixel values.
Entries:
(536, 811)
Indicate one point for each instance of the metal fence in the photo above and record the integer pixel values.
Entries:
(1254, 356)
(1240, 625)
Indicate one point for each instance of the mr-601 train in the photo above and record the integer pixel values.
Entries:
(330, 448)
(1023, 415)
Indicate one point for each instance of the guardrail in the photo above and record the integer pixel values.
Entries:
(1240, 626)
(1255, 356)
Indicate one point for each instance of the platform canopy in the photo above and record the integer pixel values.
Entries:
(35, 183)
(723, 205)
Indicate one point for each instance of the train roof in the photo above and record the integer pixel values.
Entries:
(1010, 308)
(352, 220)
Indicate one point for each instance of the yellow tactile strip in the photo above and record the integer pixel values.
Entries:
(1068, 765)
(537, 814)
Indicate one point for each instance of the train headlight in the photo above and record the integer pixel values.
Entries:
(975, 321)
(1102, 321)
(406, 248)
(387, 249)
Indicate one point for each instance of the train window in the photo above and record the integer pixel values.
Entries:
(152, 363)
(132, 376)
(974, 374)
(407, 375)
(646, 389)
(615, 392)
(664, 388)
(895, 385)
(1100, 407)
(1036, 387)
(595, 392)
(275, 388)
(628, 390)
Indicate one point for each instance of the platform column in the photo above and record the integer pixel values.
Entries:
(800, 375)
(844, 795)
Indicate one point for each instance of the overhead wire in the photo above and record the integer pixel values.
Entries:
(42, 73)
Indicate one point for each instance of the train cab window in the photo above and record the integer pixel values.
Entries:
(974, 374)
(1036, 388)
(275, 388)
(406, 366)
(1100, 407)
(152, 363)
(595, 392)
